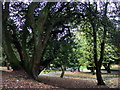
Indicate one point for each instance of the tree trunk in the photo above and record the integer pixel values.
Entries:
(63, 71)
(79, 68)
(99, 77)
(92, 70)
(36, 72)
(97, 63)
(11, 57)
(107, 68)
(37, 61)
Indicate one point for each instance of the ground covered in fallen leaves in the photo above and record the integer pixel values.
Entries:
(19, 79)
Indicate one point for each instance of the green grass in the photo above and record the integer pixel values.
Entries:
(54, 71)
(58, 72)
(3, 67)
(115, 66)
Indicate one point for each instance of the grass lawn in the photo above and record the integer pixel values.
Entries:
(115, 66)
(81, 74)
(111, 79)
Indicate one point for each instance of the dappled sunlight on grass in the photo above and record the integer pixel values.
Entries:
(113, 83)
(81, 74)
(111, 79)
(5, 69)
(115, 67)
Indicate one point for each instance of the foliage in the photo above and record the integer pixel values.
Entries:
(68, 34)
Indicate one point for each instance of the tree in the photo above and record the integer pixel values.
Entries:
(30, 31)
(62, 52)
(114, 16)
(94, 25)
(110, 56)
(99, 24)
(81, 51)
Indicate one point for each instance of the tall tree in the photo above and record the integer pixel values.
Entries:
(99, 24)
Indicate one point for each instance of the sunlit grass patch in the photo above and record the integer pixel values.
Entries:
(115, 66)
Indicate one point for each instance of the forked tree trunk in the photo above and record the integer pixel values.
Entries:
(97, 63)
(32, 67)
(38, 65)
